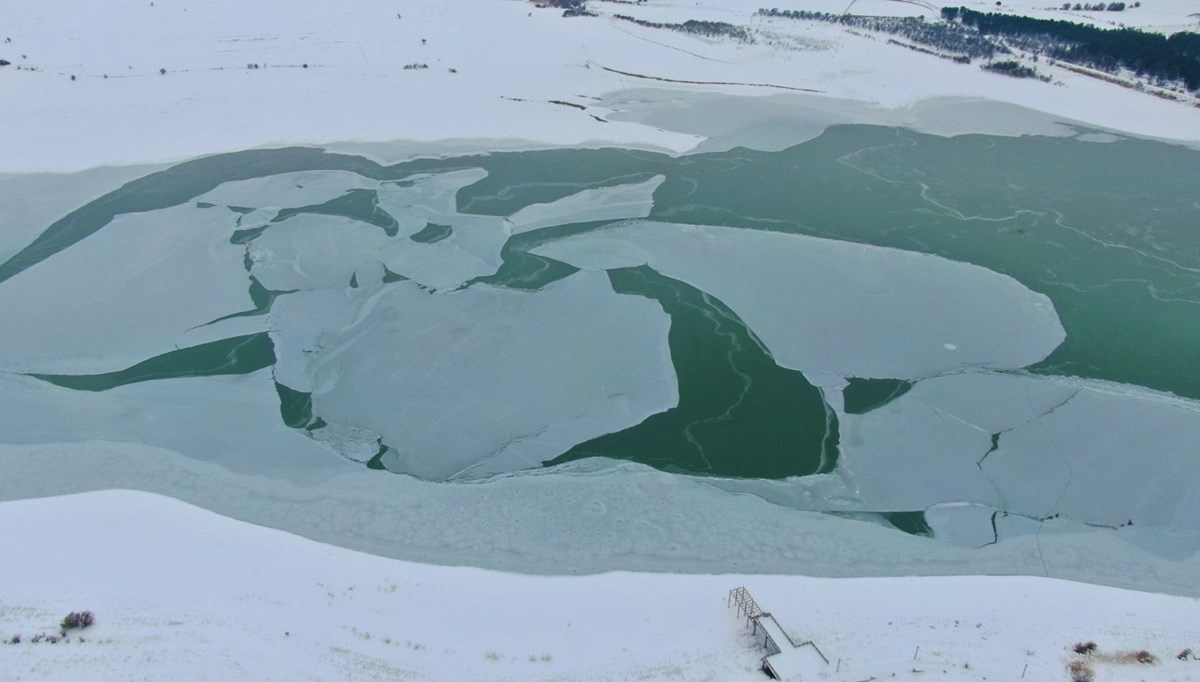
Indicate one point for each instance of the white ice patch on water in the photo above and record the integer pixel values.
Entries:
(287, 190)
(482, 380)
(472, 250)
(1107, 458)
(312, 251)
(839, 307)
(126, 293)
(604, 203)
(473, 247)
(230, 421)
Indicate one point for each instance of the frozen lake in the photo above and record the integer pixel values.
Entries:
(963, 337)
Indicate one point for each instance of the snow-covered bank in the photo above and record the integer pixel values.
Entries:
(120, 83)
(179, 592)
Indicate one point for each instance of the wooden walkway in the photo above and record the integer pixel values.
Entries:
(785, 660)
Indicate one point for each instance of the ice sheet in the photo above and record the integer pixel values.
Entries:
(311, 251)
(838, 307)
(482, 380)
(604, 203)
(1107, 457)
(473, 247)
(126, 293)
(230, 421)
(287, 190)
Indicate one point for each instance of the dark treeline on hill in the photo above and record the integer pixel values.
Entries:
(1150, 55)
(947, 37)
(712, 29)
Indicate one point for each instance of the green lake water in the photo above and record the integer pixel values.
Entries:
(1109, 232)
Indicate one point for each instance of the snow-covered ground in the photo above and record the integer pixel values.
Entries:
(170, 80)
(186, 593)
(182, 593)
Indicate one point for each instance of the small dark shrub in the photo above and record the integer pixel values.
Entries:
(1184, 655)
(162, 72)
(1085, 647)
(77, 619)
(16, 639)
(1144, 657)
(1081, 671)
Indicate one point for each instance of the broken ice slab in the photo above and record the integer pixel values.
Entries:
(421, 199)
(604, 203)
(839, 307)
(309, 251)
(458, 384)
(908, 455)
(126, 293)
(471, 249)
(286, 190)
(1109, 455)
(232, 421)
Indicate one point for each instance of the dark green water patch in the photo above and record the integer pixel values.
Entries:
(357, 204)
(204, 204)
(863, 395)
(389, 276)
(237, 355)
(1106, 231)
(739, 413)
(242, 237)
(376, 462)
(294, 406)
(913, 523)
(262, 298)
(431, 233)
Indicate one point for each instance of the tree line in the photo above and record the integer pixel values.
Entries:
(1149, 55)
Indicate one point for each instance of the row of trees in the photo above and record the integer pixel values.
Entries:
(711, 29)
(949, 37)
(1150, 55)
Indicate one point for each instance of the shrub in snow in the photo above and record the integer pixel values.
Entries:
(77, 619)
(1081, 672)
(1085, 647)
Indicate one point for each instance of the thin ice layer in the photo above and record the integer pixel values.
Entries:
(287, 190)
(230, 421)
(310, 251)
(838, 307)
(126, 293)
(473, 246)
(604, 203)
(1108, 455)
(482, 380)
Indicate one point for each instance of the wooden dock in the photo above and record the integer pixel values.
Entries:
(785, 659)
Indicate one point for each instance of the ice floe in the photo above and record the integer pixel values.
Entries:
(287, 190)
(604, 203)
(481, 380)
(839, 307)
(128, 292)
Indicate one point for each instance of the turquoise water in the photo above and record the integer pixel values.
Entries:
(1109, 232)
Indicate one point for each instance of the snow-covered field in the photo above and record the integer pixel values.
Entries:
(170, 80)
(182, 593)
(186, 593)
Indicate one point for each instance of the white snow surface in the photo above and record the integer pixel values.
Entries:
(172, 80)
(182, 593)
